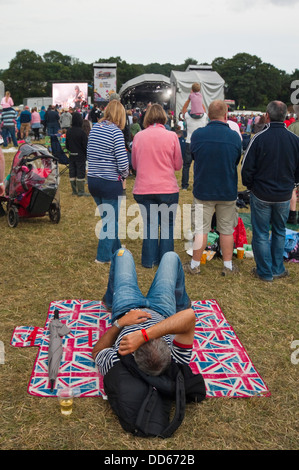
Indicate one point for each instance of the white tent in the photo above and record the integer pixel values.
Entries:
(212, 86)
(2, 90)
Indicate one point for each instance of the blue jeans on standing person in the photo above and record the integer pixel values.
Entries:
(187, 160)
(7, 132)
(158, 212)
(268, 252)
(108, 239)
(52, 130)
(166, 296)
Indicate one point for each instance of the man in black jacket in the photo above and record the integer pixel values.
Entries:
(270, 169)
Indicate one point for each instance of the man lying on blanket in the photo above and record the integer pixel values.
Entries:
(145, 325)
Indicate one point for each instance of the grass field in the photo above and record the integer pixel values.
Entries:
(42, 262)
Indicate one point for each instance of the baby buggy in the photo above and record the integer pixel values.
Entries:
(31, 188)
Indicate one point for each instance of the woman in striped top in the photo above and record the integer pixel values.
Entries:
(108, 166)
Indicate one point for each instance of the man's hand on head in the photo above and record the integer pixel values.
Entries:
(132, 341)
(134, 317)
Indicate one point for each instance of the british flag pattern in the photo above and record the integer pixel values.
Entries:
(217, 352)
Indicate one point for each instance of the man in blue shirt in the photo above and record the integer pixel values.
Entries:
(25, 118)
(216, 150)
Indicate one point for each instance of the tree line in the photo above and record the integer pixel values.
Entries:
(251, 82)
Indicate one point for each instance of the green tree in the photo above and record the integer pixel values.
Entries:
(25, 76)
(58, 58)
(249, 81)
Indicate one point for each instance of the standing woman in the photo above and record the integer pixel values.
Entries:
(108, 166)
(7, 101)
(156, 156)
(35, 123)
(76, 144)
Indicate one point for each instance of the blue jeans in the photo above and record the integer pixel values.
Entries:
(52, 130)
(167, 294)
(187, 160)
(158, 212)
(9, 132)
(108, 239)
(268, 252)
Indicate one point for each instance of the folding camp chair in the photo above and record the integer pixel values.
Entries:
(59, 153)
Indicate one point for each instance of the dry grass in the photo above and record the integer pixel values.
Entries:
(42, 262)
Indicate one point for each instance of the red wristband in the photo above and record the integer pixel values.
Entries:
(145, 335)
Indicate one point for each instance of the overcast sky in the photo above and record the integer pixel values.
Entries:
(156, 31)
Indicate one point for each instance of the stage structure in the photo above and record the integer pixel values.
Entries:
(146, 88)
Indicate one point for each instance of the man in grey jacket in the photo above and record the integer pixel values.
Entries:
(65, 120)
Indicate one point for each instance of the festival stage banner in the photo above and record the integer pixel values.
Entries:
(104, 82)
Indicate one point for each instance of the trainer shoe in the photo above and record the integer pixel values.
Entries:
(255, 274)
(284, 274)
(230, 272)
(101, 262)
(187, 269)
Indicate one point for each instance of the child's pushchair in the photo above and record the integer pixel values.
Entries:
(31, 188)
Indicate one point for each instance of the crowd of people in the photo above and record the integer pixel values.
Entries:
(17, 125)
(113, 143)
(152, 145)
(142, 325)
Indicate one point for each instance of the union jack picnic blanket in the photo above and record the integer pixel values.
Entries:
(217, 352)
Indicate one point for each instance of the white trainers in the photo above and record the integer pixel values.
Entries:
(101, 262)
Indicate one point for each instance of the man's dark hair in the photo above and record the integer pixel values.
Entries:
(153, 357)
(277, 111)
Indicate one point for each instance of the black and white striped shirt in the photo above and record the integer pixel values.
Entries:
(9, 117)
(107, 358)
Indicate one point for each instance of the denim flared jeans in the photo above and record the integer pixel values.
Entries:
(158, 212)
(108, 237)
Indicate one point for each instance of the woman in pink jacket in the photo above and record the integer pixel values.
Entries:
(35, 123)
(156, 156)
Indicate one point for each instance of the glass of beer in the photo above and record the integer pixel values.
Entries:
(66, 398)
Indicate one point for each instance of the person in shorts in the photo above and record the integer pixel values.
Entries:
(216, 150)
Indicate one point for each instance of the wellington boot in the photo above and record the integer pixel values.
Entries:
(74, 187)
(80, 187)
